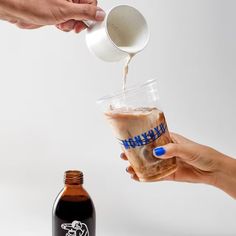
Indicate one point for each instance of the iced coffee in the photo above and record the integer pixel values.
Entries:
(140, 126)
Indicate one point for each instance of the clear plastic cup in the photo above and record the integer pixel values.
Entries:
(139, 125)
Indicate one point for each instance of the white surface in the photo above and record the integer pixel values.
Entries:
(49, 121)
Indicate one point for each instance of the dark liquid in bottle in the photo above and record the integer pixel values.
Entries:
(73, 211)
(74, 216)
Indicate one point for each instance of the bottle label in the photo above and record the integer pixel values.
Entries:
(76, 228)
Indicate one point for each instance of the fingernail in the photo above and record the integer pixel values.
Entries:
(100, 15)
(159, 151)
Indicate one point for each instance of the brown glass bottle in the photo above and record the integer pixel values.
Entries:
(73, 210)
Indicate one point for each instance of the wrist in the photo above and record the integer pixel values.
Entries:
(226, 176)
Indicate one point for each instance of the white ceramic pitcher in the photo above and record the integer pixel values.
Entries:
(124, 31)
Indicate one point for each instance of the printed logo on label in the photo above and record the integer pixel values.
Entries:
(76, 228)
(144, 138)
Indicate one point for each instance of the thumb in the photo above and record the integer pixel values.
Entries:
(187, 152)
(84, 12)
(202, 157)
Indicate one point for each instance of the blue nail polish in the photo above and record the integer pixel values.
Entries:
(159, 151)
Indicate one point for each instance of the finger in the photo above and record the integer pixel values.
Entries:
(35, 26)
(201, 157)
(79, 26)
(67, 26)
(13, 21)
(130, 170)
(167, 178)
(23, 25)
(84, 12)
(93, 2)
(123, 156)
(186, 151)
(135, 177)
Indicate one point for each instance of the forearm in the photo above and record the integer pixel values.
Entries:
(226, 177)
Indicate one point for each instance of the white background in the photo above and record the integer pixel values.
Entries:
(49, 121)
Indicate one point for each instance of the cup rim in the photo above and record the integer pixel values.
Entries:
(109, 37)
(127, 91)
